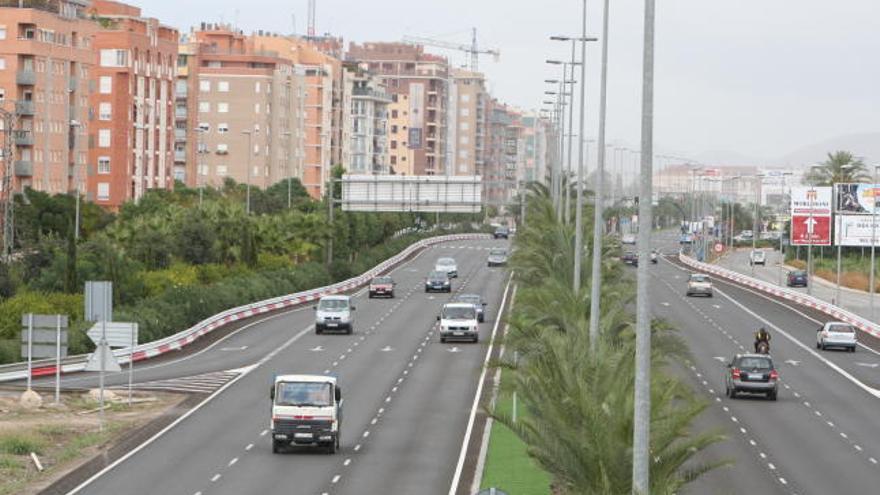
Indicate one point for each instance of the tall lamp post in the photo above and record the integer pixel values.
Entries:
(250, 151)
(759, 181)
(289, 170)
(873, 237)
(561, 95)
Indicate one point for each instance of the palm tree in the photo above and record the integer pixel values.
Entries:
(839, 167)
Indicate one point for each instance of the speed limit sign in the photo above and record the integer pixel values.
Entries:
(719, 247)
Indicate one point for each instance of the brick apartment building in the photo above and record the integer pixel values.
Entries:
(46, 63)
(466, 134)
(131, 136)
(364, 122)
(419, 85)
(241, 110)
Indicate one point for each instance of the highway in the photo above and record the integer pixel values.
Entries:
(407, 398)
(820, 437)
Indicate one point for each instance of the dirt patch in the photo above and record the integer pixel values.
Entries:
(65, 436)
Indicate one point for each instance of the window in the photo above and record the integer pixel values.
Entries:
(114, 58)
(394, 129)
(204, 106)
(222, 148)
(463, 154)
(465, 98)
(222, 128)
(257, 87)
(256, 108)
(103, 191)
(465, 112)
(104, 138)
(204, 127)
(393, 144)
(2, 97)
(394, 114)
(2, 63)
(2, 32)
(204, 85)
(223, 107)
(223, 86)
(221, 170)
(103, 164)
(464, 126)
(105, 85)
(464, 140)
(105, 111)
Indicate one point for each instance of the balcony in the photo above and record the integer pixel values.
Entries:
(180, 135)
(179, 156)
(24, 138)
(24, 168)
(371, 93)
(25, 108)
(26, 77)
(181, 94)
(180, 113)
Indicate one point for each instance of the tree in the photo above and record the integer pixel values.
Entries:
(840, 166)
(194, 237)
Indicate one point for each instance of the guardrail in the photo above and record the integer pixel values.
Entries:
(181, 339)
(809, 301)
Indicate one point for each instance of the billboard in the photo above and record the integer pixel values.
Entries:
(415, 193)
(858, 198)
(811, 216)
(856, 230)
(416, 115)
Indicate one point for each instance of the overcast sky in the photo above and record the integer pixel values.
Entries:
(757, 77)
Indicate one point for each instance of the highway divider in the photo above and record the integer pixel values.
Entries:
(809, 301)
(18, 371)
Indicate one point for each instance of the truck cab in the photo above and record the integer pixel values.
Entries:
(306, 410)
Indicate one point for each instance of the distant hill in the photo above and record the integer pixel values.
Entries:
(865, 146)
(726, 158)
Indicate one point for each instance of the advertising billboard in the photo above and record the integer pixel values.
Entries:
(416, 115)
(858, 198)
(811, 216)
(425, 193)
(856, 230)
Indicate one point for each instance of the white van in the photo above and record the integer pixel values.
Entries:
(458, 321)
(334, 313)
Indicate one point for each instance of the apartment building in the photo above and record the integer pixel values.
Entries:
(419, 85)
(242, 116)
(506, 157)
(323, 75)
(364, 123)
(46, 63)
(466, 134)
(131, 137)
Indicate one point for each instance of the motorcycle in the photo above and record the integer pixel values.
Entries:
(762, 347)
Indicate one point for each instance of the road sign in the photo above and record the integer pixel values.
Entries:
(44, 339)
(719, 247)
(99, 301)
(102, 353)
(810, 230)
(856, 230)
(118, 333)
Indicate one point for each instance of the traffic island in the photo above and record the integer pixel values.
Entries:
(40, 446)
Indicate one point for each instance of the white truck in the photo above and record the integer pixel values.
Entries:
(458, 321)
(306, 410)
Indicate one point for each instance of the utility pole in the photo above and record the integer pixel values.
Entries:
(642, 403)
(8, 119)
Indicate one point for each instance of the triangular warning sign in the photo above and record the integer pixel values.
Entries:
(110, 363)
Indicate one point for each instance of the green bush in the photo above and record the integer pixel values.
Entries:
(21, 444)
(39, 303)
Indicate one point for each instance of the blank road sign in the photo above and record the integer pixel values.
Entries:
(118, 333)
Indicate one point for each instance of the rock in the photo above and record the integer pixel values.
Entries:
(109, 395)
(30, 400)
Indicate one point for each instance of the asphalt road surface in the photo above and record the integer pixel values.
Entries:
(407, 398)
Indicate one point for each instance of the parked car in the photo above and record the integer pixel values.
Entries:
(746, 235)
(797, 278)
(699, 283)
(501, 233)
(837, 334)
(758, 257)
(751, 373)
(630, 258)
(334, 313)
(497, 257)
(477, 301)
(438, 282)
(447, 265)
(628, 239)
(382, 286)
(686, 239)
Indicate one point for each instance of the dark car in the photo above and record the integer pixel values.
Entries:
(501, 233)
(438, 282)
(382, 287)
(630, 258)
(477, 301)
(797, 278)
(751, 373)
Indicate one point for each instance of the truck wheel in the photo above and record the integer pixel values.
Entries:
(318, 331)
(276, 447)
(331, 448)
(350, 330)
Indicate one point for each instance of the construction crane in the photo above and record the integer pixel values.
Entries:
(311, 13)
(472, 50)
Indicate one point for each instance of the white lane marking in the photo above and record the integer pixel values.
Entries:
(249, 446)
(263, 433)
(189, 413)
(317, 349)
(872, 391)
(357, 447)
(233, 461)
(215, 477)
(231, 349)
(347, 462)
(720, 358)
(792, 362)
(387, 348)
(335, 479)
(366, 433)
(456, 477)
(868, 365)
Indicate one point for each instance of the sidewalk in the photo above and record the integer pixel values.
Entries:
(856, 301)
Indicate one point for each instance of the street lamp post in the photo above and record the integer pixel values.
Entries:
(250, 151)
(759, 181)
(289, 137)
(561, 94)
(873, 237)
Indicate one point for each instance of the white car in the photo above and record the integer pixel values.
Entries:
(699, 283)
(837, 334)
(448, 266)
(334, 313)
(758, 257)
(458, 321)
(628, 239)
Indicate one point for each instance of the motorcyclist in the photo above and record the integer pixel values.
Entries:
(762, 335)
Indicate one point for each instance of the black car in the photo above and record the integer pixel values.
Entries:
(438, 282)
(797, 278)
(501, 233)
(751, 373)
(630, 258)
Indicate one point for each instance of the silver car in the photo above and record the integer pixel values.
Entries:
(751, 373)
(448, 266)
(837, 334)
(477, 301)
(497, 257)
(699, 283)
